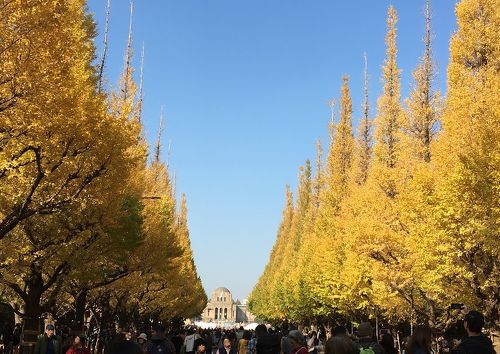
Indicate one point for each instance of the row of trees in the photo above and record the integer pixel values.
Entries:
(402, 224)
(87, 221)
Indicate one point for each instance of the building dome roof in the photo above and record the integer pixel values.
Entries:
(222, 289)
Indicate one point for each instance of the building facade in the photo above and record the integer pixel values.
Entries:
(221, 307)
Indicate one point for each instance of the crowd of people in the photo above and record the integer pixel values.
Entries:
(264, 340)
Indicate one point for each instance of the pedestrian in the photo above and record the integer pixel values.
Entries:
(340, 344)
(48, 343)
(231, 335)
(200, 346)
(252, 344)
(78, 346)
(365, 343)
(239, 333)
(207, 336)
(243, 342)
(142, 341)
(178, 340)
(476, 342)
(312, 342)
(227, 347)
(387, 342)
(124, 347)
(267, 343)
(297, 342)
(159, 343)
(339, 331)
(420, 341)
(65, 338)
(284, 341)
(190, 339)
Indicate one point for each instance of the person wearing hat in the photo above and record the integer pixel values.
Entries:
(297, 342)
(365, 340)
(48, 343)
(142, 340)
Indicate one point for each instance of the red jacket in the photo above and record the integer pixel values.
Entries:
(82, 350)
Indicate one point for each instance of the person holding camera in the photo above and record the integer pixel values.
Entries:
(476, 342)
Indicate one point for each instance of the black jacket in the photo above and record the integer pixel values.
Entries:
(223, 350)
(475, 345)
(43, 341)
(269, 344)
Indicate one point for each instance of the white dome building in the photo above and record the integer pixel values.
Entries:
(222, 308)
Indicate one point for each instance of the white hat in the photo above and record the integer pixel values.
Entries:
(143, 336)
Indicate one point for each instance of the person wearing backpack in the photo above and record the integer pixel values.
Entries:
(365, 343)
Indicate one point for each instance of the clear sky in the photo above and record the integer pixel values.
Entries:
(245, 86)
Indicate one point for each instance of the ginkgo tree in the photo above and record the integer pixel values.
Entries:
(74, 208)
(407, 220)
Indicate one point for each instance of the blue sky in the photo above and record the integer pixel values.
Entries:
(245, 86)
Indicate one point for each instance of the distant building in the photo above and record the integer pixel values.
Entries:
(222, 308)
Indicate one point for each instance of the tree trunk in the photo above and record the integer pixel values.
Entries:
(33, 308)
(80, 305)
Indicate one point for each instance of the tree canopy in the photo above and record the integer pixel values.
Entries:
(407, 220)
(84, 214)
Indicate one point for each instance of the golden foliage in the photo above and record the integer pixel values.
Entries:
(75, 208)
(416, 228)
